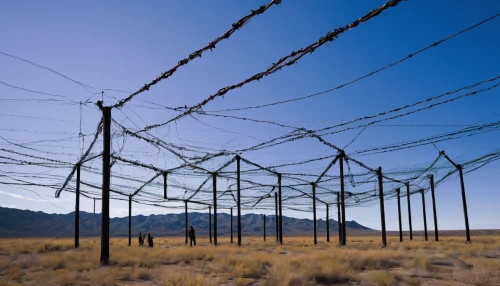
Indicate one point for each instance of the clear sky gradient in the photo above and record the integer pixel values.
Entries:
(124, 44)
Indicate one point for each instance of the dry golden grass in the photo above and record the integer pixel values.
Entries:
(298, 262)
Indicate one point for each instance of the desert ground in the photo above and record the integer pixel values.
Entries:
(298, 262)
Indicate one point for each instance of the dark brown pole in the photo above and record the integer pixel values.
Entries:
(280, 209)
(106, 180)
(165, 174)
(186, 219)
(314, 212)
(338, 219)
(382, 209)
(277, 217)
(264, 227)
(231, 225)
(214, 178)
(239, 197)
(464, 202)
(423, 211)
(77, 207)
(436, 235)
(210, 223)
(342, 197)
(409, 209)
(327, 225)
(94, 218)
(398, 191)
(129, 220)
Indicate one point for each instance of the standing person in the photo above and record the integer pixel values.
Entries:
(192, 237)
(143, 237)
(141, 241)
(150, 240)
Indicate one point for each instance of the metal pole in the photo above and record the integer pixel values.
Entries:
(280, 209)
(382, 209)
(425, 218)
(338, 218)
(214, 178)
(436, 235)
(464, 202)
(239, 198)
(231, 226)
(276, 217)
(264, 227)
(129, 220)
(210, 223)
(398, 191)
(186, 219)
(314, 212)
(327, 225)
(165, 185)
(409, 208)
(342, 197)
(77, 207)
(106, 180)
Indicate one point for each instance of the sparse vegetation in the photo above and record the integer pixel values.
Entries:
(298, 262)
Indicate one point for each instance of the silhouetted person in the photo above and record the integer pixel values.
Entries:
(150, 240)
(143, 237)
(192, 237)
(141, 241)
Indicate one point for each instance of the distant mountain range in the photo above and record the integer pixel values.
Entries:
(26, 223)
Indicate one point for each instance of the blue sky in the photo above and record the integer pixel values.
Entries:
(125, 44)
